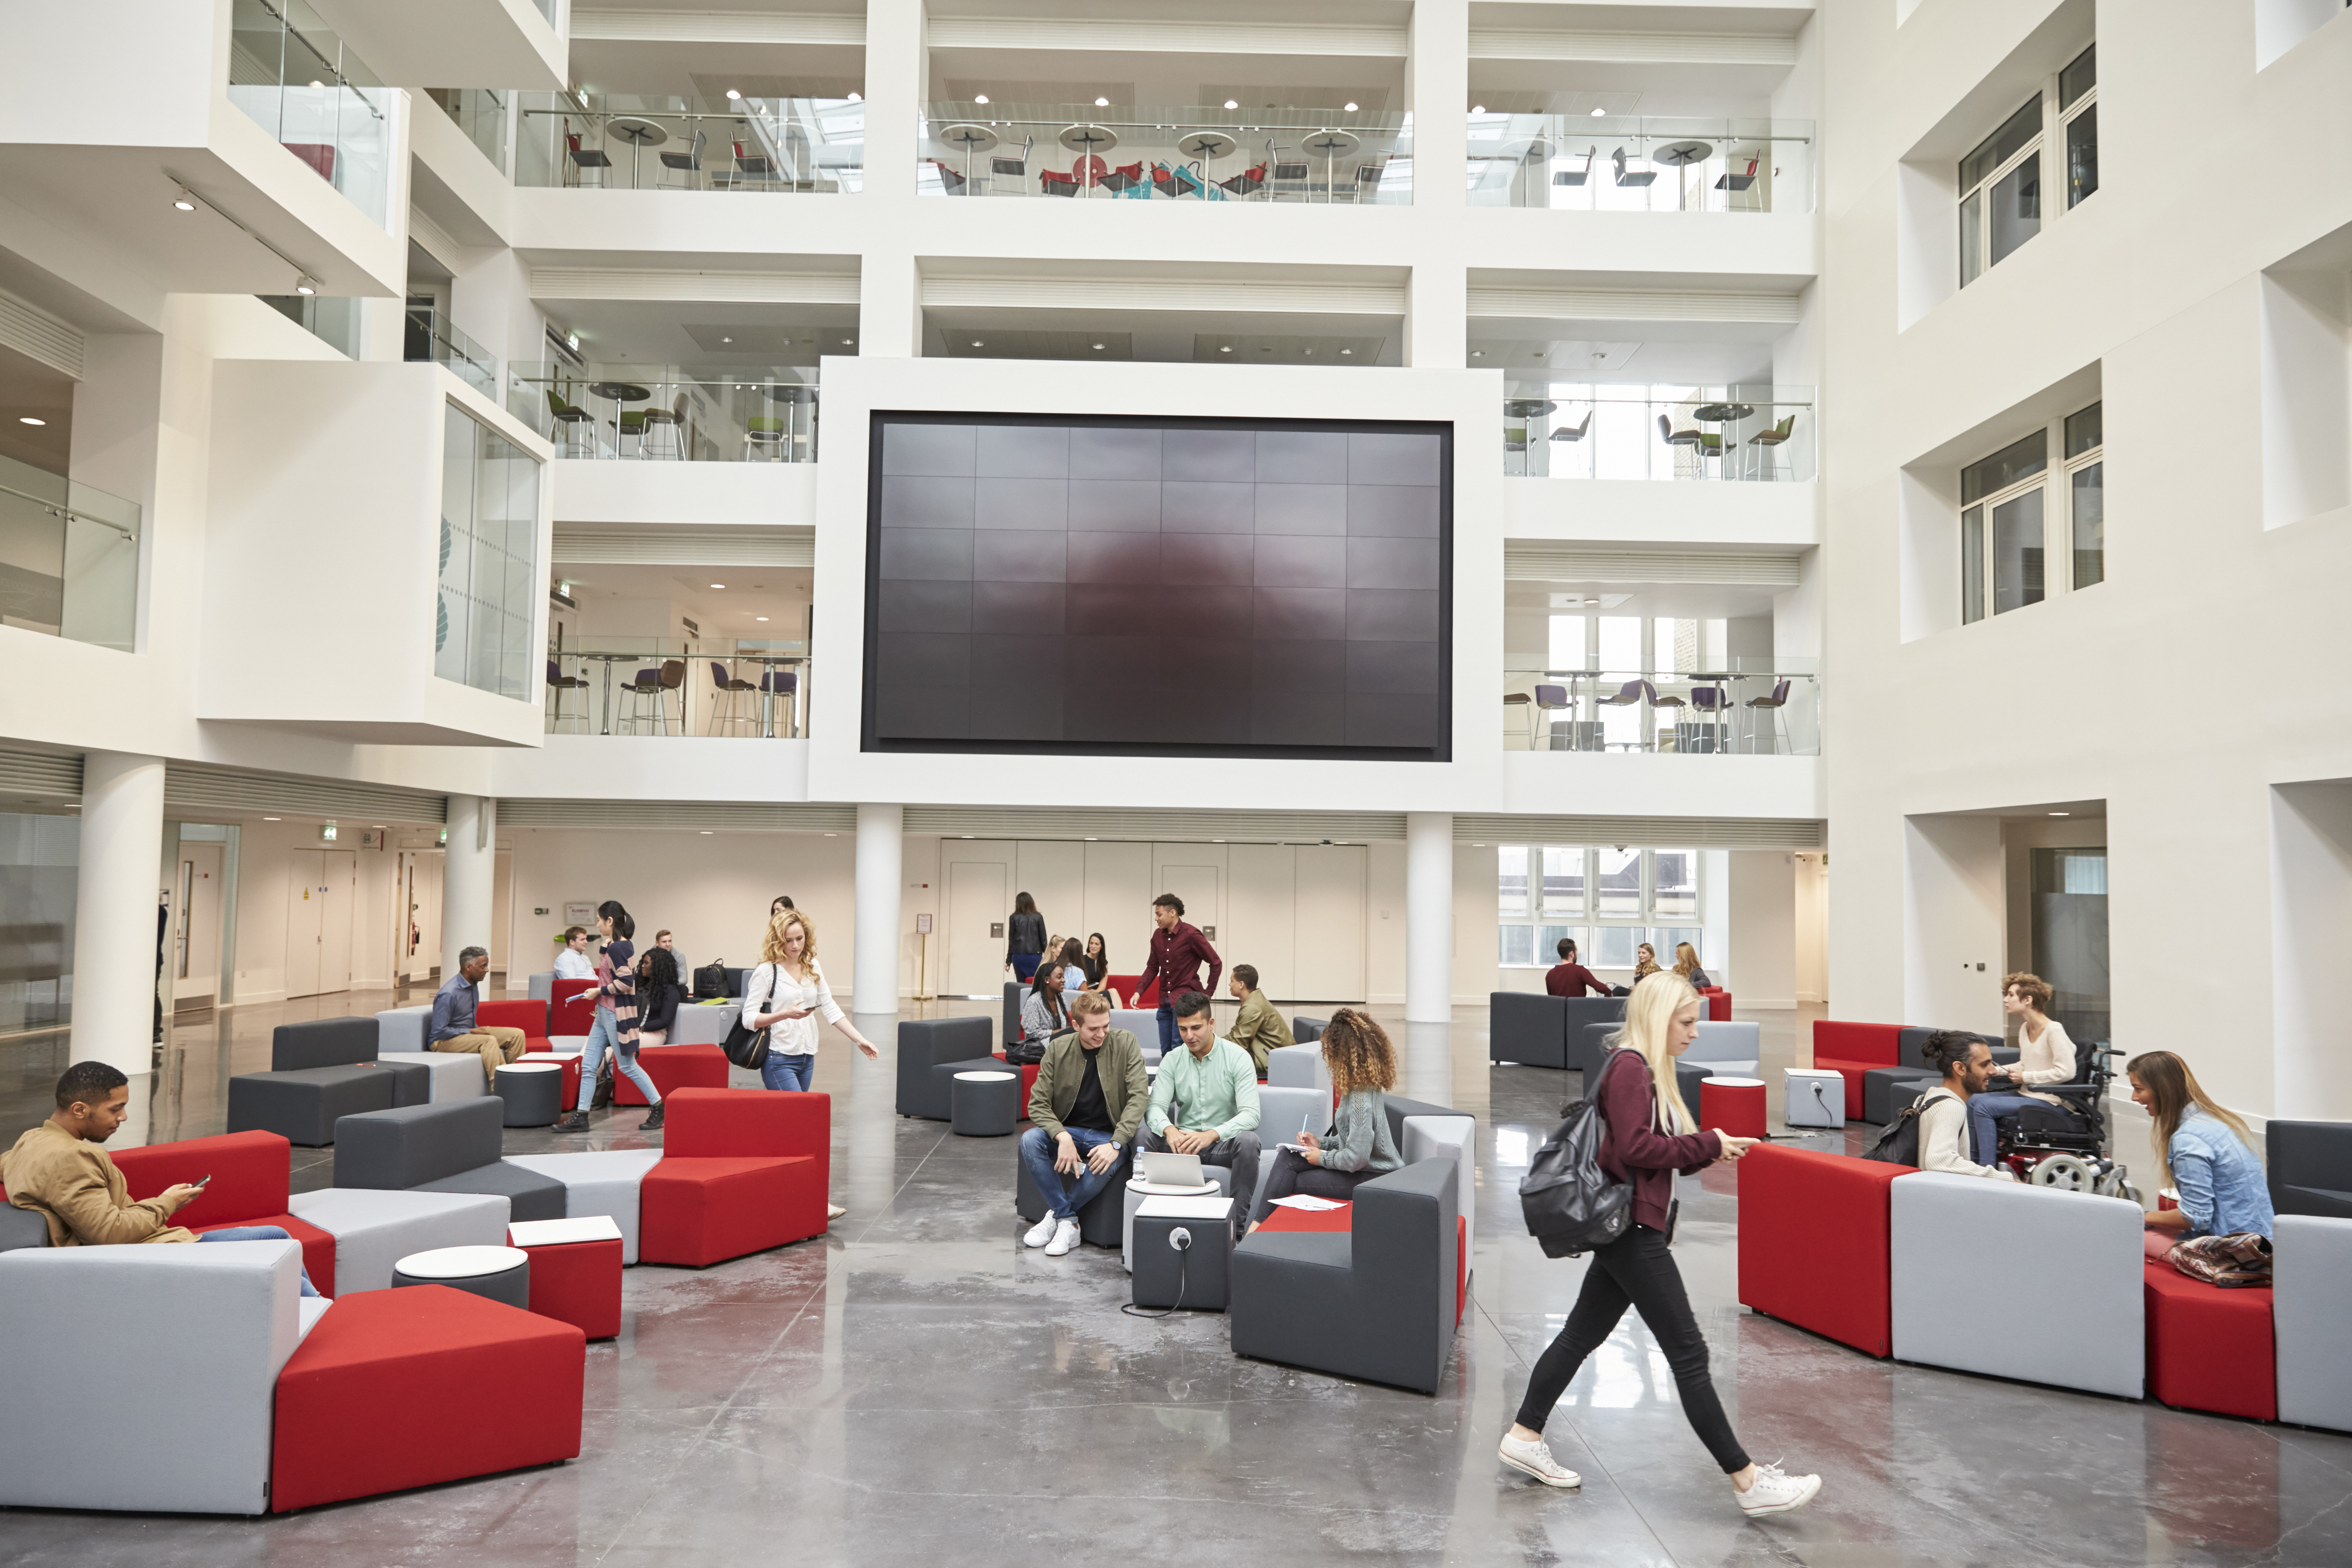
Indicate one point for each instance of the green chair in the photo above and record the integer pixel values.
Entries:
(569, 419)
(764, 431)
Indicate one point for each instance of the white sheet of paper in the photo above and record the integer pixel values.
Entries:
(1307, 1202)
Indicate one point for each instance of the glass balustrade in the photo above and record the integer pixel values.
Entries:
(704, 686)
(1740, 706)
(1095, 153)
(291, 75)
(432, 336)
(69, 558)
(650, 142)
(668, 414)
(1577, 432)
(482, 114)
(1628, 163)
(333, 320)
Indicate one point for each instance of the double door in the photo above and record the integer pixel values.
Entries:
(319, 903)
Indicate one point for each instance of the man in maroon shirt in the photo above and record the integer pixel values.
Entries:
(1567, 977)
(1178, 951)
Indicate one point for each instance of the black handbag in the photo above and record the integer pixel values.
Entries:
(745, 1045)
(1568, 1201)
(710, 980)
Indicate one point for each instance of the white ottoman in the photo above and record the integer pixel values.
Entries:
(455, 1074)
(1812, 1097)
(494, 1273)
(598, 1181)
(1220, 1180)
(373, 1229)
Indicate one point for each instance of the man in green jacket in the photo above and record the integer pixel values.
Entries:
(1082, 1113)
(1204, 1100)
(1258, 1029)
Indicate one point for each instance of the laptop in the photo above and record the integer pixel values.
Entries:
(1170, 1170)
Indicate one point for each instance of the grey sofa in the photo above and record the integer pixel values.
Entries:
(452, 1147)
(1526, 1027)
(1103, 1221)
(2311, 1275)
(1580, 1017)
(1305, 1029)
(1885, 1090)
(2310, 1167)
(1376, 1303)
(320, 1071)
(932, 1051)
(21, 1227)
(1592, 1049)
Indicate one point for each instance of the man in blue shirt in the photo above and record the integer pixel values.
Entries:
(453, 1027)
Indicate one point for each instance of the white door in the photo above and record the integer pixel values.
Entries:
(303, 909)
(1119, 902)
(337, 885)
(1331, 926)
(1262, 915)
(978, 904)
(196, 926)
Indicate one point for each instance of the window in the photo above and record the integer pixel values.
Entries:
(490, 586)
(2078, 106)
(2000, 192)
(2086, 512)
(1606, 899)
(2006, 504)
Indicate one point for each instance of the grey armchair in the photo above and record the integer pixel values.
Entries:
(452, 1147)
(2311, 1167)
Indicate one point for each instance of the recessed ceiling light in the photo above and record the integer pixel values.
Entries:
(318, 84)
(1309, 353)
(846, 341)
(2062, 814)
(732, 95)
(1351, 109)
(1477, 353)
(28, 419)
(977, 98)
(726, 340)
(705, 832)
(718, 584)
(1478, 109)
(1226, 350)
(856, 98)
(1099, 345)
(1102, 103)
(1229, 104)
(977, 343)
(271, 819)
(306, 285)
(759, 618)
(185, 200)
(1599, 112)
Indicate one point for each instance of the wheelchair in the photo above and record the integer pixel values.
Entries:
(2064, 1146)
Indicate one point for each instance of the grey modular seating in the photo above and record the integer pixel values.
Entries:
(1306, 1030)
(1298, 1067)
(1733, 1050)
(704, 1026)
(1689, 1075)
(2311, 1281)
(320, 1072)
(1901, 1088)
(541, 986)
(1143, 1023)
(1591, 1046)
(1012, 994)
(2310, 1167)
(598, 1182)
(1966, 1250)
(932, 1051)
(21, 1227)
(1546, 1031)
(1376, 1303)
(374, 1229)
(1885, 1090)
(1101, 1222)
(448, 1075)
(1424, 1132)
(451, 1147)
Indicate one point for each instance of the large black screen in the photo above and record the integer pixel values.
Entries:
(1159, 587)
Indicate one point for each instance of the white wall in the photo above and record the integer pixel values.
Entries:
(1763, 922)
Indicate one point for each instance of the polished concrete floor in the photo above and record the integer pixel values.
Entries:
(919, 1387)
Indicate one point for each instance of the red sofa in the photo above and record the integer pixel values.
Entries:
(529, 1017)
(394, 1389)
(1813, 1243)
(1852, 1049)
(741, 1170)
(251, 1173)
(673, 1068)
(574, 1009)
(2209, 1349)
(1718, 1004)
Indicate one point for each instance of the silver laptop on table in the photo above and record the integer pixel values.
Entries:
(1170, 1170)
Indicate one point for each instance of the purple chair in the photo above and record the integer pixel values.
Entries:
(786, 685)
(725, 689)
(1710, 702)
(1628, 695)
(1651, 693)
(1771, 705)
(656, 683)
(1550, 699)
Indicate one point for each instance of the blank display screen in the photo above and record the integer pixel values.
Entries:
(1164, 588)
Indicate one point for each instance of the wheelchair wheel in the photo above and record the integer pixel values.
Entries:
(2063, 1171)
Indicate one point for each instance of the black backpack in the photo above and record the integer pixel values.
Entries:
(710, 980)
(1568, 1201)
(1899, 1144)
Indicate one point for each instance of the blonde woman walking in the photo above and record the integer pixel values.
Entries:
(785, 995)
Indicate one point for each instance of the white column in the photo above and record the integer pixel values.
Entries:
(1437, 297)
(1428, 917)
(466, 874)
(116, 897)
(881, 834)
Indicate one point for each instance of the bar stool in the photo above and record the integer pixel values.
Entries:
(1522, 704)
(785, 686)
(1550, 699)
(1769, 706)
(559, 683)
(725, 693)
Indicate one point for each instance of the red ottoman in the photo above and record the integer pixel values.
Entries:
(1813, 1243)
(673, 1068)
(1718, 1004)
(1852, 1049)
(394, 1389)
(250, 1174)
(1341, 1220)
(1733, 1105)
(575, 1271)
(742, 1170)
(2209, 1349)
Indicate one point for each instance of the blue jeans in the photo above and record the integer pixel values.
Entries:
(1168, 1040)
(1025, 966)
(259, 1233)
(792, 1073)
(604, 1034)
(1983, 1109)
(1066, 1195)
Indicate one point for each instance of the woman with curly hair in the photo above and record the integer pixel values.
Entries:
(1357, 1147)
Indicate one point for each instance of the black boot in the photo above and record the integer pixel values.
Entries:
(652, 1124)
(574, 1122)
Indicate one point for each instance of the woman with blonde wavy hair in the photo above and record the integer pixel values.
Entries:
(1358, 1146)
(784, 995)
(1651, 1137)
(2204, 1151)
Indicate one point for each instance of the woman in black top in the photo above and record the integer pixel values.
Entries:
(1024, 938)
(1095, 962)
(657, 995)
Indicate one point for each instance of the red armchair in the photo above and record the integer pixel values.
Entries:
(1852, 1049)
(252, 1175)
(1718, 1004)
(673, 1068)
(529, 1017)
(742, 1170)
(1813, 1243)
(574, 1009)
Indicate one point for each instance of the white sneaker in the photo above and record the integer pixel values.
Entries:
(1066, 1237)
(1535, 1459)
(1776, 1491)
(1042, 1232)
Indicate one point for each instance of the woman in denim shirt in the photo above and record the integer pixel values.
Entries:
(2205, 1151)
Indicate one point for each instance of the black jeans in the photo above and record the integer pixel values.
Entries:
(1292, 1174)
(1636, 1270)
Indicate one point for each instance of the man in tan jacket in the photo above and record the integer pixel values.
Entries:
(1258, 1029)
(61, 1171)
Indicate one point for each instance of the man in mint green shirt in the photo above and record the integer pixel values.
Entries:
(1204, 1100)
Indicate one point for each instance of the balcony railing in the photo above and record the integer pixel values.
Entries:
(617, 141)
(709, 685)
(1127, 153)
(69, 558)
(664, 414)
(1622, 164)
(291, 76)
(1756, 433)
(482, 114)
(433, 336)
(1739, 706)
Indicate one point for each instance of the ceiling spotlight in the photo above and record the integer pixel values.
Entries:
(2062, 814)
(1226, 349)
(726, 340)
(318, 84)
(1599, 112)
(1478, 109)
(759, 618)
(306, 284)
(186, 200)
(705, 832)
(28, 419)
(1351, 109)
(1344, 353)
(1229, 104)
(1102, 103)
(1099, 346)
(1309, 353)
(977, 343)
(980, 97)
(856, 98)
(846, 341)
(733, 96)
(271, 819)
(718, 584)
(1477, 353)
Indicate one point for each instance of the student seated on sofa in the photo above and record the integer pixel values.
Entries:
(1259, 1029)
(573, 963)
(1363, 1067)
(2044, 1055)
(1204, 1100)
(1084, 1110)
(2204, 1151)
(453, 1027)
(1965, 1062)
(1569, 978)
(60, 1171)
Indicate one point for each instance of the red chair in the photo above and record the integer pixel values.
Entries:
(252, 1175)
(741, 1170)
(1718, 1004)
(1852, 1049)
(673, 1068)
(529, 1017)
(1813, 1243)
(395, 1389)
(574, 1010)
(2209, 1349)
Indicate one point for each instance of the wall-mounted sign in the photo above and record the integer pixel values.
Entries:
(923, 925)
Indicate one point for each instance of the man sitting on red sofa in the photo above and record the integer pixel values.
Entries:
(453, 1027)
(60, 1171)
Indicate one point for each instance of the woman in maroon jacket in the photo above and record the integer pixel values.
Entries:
(1651, 1138)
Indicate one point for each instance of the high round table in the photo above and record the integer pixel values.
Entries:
(639, 135)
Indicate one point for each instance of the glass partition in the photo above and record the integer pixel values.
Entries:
(695, 686)
(69, 558)
(482, 113)
(291, 76)
(666, 413)
(490, 586)
(432, 336)
(1735, 432)
(652, 142)
(1127, 153)
(332, 319)
(1628, 163)
(1736, 705)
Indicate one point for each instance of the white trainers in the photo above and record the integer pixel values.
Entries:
(1777, 1491)
(1535, 1459)
(1066, 1237)
(1042, 1232)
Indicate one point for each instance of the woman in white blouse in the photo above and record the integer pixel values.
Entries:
(783, 996)
(2044, 1055)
